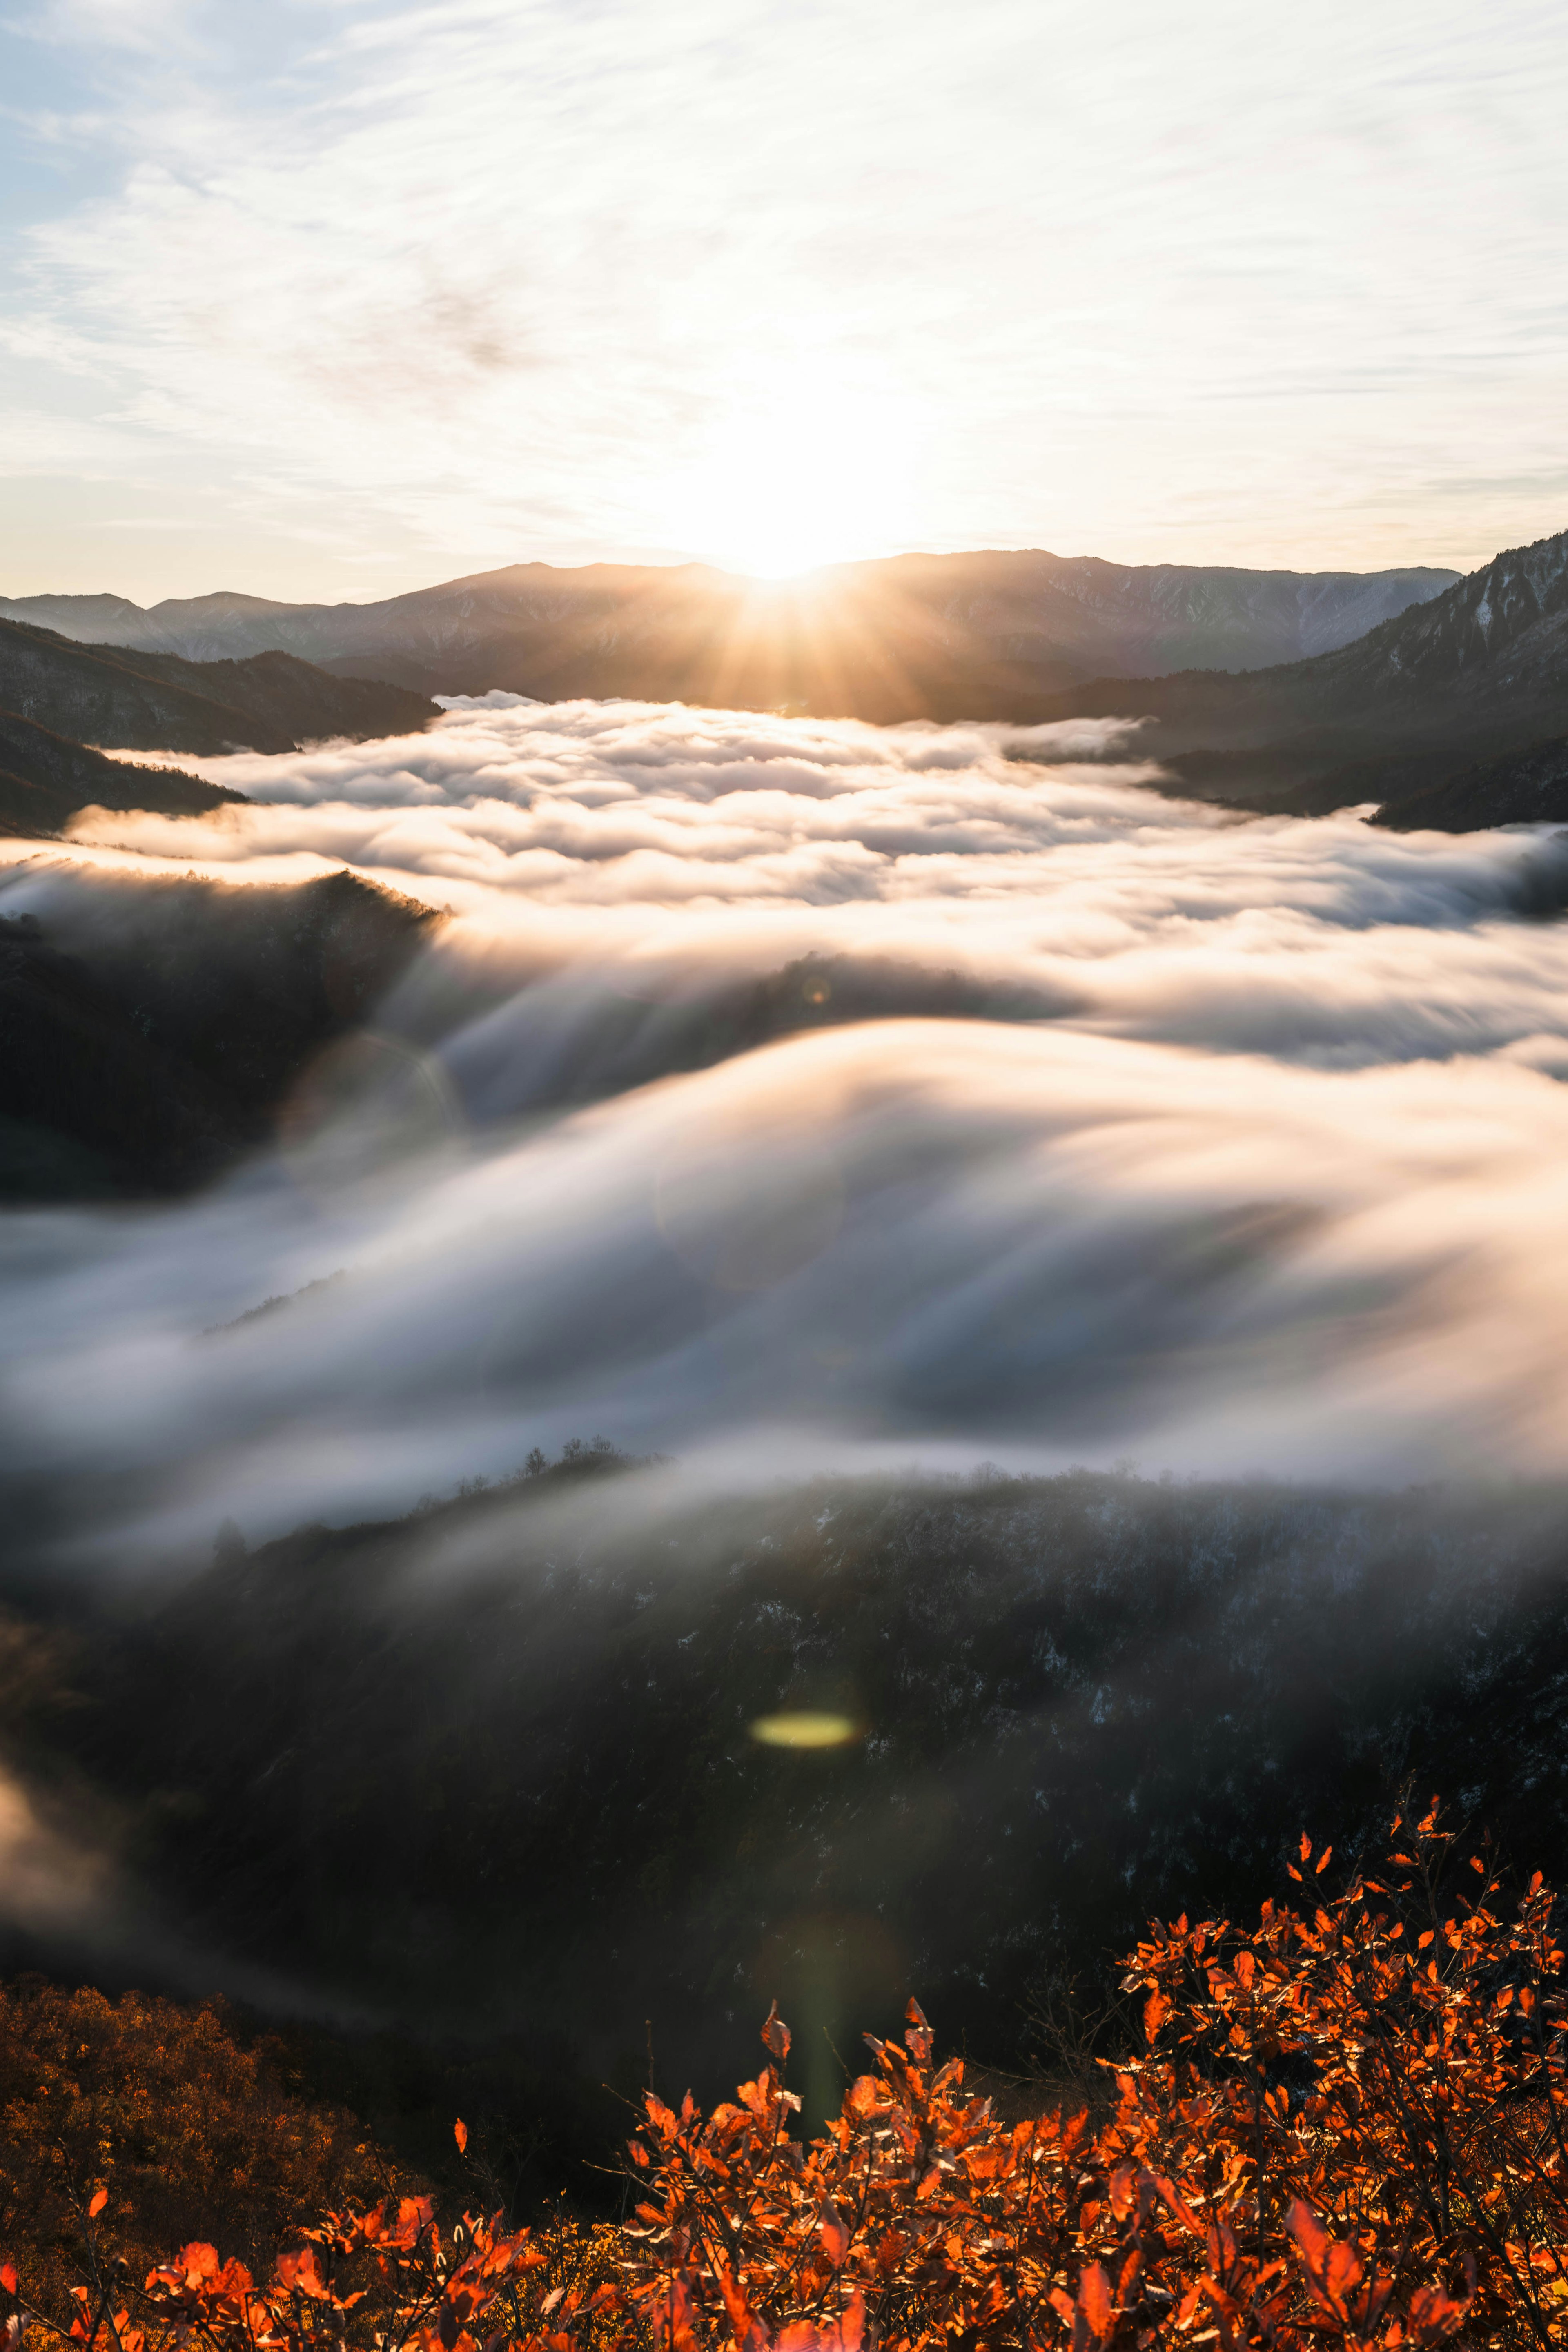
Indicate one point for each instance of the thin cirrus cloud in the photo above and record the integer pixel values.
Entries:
(373, 291)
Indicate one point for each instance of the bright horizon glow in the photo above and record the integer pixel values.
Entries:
(338, 299)
(802, 469)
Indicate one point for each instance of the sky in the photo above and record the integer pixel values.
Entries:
(323, 298)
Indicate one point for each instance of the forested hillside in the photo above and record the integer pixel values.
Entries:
(107, 695)
(144, 1052)
(1442, 713)
(486, 1776)
(45, 778)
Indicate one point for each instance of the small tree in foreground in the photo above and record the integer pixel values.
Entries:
(1345, 2128)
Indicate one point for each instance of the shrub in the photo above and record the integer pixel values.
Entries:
(1344, 2126)
(167, 2116)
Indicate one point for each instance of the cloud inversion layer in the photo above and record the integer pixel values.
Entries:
(651, 844)
(1247, 1150)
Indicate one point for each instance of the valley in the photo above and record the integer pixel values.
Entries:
(387, 1111)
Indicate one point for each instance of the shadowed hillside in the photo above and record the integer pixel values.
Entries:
(1523, 787)
(155, 702)
(1461, 687)
(45, 779)
(145, 1058)
(488, 1770)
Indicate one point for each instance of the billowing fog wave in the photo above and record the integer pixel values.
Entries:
(651, 848)
(1241, 1146)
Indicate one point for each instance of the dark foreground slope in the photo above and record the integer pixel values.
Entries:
(490, 1771)
(105, 695)
(1527, 786)
(145, 1056)
(969, 635)
(1435, 709)
(45, 779)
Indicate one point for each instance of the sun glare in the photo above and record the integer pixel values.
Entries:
(802, 471)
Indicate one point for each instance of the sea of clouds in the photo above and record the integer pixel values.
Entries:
(1248, 1153)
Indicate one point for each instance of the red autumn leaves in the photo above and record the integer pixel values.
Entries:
(1348, 2127)
(1330, 2137)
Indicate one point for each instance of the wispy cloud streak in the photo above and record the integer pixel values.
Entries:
(371, 288)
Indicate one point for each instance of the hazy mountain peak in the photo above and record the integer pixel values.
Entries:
(1506, 622)
(233, 601)
(81, 617)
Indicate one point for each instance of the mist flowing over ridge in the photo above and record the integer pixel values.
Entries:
(831, 1108)
(675, 1148)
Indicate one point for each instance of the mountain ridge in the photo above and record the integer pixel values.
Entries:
(1470, 682)
(153, 1040)
(45, 778)
(1453, 709)
(1519, 640)
(903, 637)
(123, 700)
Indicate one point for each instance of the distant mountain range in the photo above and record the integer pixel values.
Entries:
(1449, 710)
(936, 636)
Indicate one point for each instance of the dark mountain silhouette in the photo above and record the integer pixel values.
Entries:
(1528, 787)
(45, 779)
(148, 1045)
(107, 695)
(1467, 684)
(939, 637)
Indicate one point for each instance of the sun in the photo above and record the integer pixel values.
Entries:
(798, 471)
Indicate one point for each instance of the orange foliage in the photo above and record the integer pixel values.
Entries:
(1346, 2128)
(126, 2125)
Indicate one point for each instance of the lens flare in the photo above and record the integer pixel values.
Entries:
(805, 1729)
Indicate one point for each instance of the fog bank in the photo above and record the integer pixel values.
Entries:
(784, 1093)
